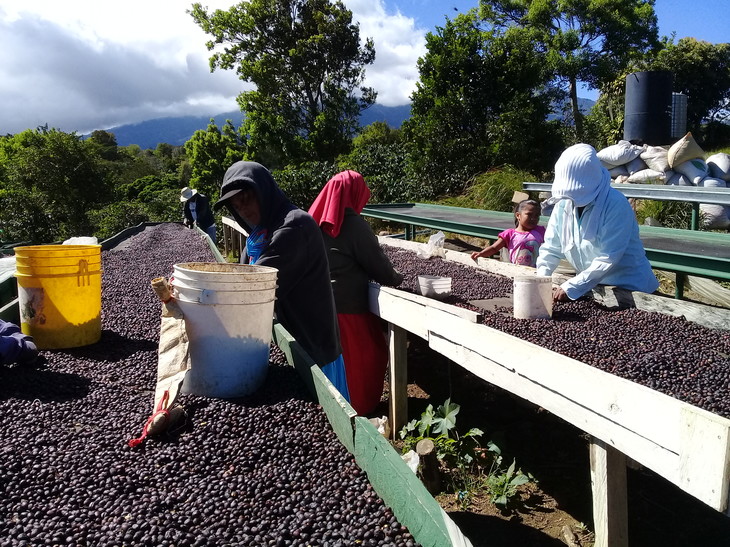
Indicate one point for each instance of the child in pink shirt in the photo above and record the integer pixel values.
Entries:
(524, 240)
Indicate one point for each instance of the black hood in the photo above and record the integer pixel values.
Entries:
(273, 202)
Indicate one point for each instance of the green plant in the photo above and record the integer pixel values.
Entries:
(502, 485)
(440, 426)
(469, 467)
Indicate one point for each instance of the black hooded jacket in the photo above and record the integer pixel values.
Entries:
(304, 303)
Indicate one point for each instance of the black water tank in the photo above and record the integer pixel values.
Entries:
(648, 107)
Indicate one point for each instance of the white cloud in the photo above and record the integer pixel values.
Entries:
(398, 45)
(80, 65)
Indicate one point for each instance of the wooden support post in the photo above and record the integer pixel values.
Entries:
(226, 238)
(610, 509)
(398, 349)
(695, 220)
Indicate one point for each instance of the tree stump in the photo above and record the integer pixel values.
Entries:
(430, 473)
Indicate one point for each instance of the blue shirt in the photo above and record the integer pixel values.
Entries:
(614, 257)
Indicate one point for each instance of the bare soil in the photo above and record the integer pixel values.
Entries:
(555, 509)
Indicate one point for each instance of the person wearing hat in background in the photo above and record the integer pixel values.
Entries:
(355, 257)
(282, 236)
(16, 347)
(197, 211)
(594, 228)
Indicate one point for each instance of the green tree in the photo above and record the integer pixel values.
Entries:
(481, 100)
(302, 183)
(379, 154)
(702, 72)
(306, 61)
(52, 179)
(106, 142)
(584, 40)
(210, 153)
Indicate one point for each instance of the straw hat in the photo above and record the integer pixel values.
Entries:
(187, 193)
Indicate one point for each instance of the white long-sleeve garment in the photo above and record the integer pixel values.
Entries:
(615, 256)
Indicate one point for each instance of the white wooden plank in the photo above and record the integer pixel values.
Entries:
(707, 316)
(636, 407)
(468, 315)
(398, 404)
(704, 458)
(399, 311)
(610, 507)
(642, 449)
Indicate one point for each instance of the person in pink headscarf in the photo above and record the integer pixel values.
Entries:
(355, 257)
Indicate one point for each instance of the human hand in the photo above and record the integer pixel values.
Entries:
(475, 255)
(559, 295)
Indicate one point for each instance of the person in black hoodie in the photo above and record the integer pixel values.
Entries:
(197, 211)
(282, 236)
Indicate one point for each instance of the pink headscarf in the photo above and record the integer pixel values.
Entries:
(345, 189)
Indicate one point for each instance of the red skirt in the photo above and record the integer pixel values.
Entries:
(365, 352)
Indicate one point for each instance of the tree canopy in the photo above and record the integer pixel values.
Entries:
(583, 40)
(701, 71)
(482, 99)
(306, 62)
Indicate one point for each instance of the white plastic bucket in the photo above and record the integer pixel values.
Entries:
(228, 310)
(533, 297)
(434, 286)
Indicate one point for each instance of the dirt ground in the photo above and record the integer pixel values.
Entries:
(556, 509)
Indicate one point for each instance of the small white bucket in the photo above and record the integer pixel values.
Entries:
(434, 286)
(228, 310)
(533, 297)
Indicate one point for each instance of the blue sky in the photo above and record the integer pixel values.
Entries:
(80, 65)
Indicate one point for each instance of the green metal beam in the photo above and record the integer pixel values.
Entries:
(682, 259)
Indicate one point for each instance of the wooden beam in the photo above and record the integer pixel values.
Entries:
(610, 507)
(398, 404)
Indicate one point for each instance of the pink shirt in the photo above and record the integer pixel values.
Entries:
(523, 246)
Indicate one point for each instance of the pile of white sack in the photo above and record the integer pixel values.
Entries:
(682, 164)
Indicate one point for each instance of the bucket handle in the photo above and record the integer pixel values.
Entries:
(83, 271)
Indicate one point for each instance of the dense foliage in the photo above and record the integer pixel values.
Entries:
(582, 40)
(307, 63)
(481, 120)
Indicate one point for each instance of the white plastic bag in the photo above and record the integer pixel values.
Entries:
(81, 241)
(434, 247)
(412, 460)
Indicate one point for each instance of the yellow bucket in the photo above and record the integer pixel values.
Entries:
(59, 294)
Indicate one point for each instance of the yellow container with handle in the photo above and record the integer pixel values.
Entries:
(59, 294)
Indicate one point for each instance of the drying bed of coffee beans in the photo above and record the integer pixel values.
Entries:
(668, 354)
(261, 470)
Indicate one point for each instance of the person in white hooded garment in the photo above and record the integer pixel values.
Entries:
(594, 228)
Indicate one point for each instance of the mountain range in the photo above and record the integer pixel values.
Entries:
(178, 130)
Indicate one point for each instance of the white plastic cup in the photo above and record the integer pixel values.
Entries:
(533, 297)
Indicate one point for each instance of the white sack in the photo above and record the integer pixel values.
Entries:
(619, 154)
(716, 217)
(637, 164)
(695, 170)
(647, 176)
(618, 171)
(685, 149)
(719, 166)
(678, 179)
(655, 158)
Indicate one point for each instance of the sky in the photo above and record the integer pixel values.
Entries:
(81, 65)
